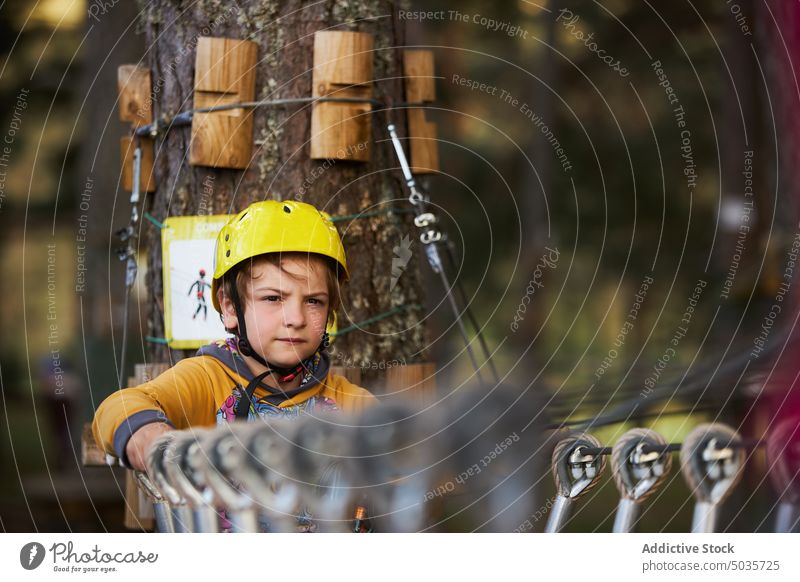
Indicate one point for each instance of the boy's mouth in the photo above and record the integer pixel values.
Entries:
(291, 340)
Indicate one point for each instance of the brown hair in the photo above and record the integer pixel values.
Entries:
(242, 273)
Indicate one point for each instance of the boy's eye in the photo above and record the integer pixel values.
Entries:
(272, 298)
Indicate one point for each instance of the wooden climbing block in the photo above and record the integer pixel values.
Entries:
(91, 454)
(145, 372)
(342, 68)
(352, 375)
(415, 383)
(224, 74)
(147, 182)
(134, 86)
(138, 509)
(421, 88)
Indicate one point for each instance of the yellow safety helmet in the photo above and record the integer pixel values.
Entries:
(276, 227)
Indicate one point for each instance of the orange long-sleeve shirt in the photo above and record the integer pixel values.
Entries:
(203, 391)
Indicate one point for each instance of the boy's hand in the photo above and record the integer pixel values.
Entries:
(139, 444)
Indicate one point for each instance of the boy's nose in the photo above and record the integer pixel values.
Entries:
(293, 314)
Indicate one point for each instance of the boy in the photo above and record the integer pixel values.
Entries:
(278, 266)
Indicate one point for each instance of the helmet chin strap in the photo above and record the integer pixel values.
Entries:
(284, 373)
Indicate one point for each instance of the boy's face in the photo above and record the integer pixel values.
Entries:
(285, 308)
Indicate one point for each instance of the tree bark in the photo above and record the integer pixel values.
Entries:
(280, 165)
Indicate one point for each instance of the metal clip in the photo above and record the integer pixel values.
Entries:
(415, 197)
(645, 469)
(425, 219)
(583, 469)
(430, 236)
(638, 457)
(578, 457)
(712, 453)
(124, 233)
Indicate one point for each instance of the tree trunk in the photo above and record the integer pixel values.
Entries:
(280, 165)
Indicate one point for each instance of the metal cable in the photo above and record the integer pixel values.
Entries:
(185, 117)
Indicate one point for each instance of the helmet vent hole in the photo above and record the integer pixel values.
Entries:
(287, 210)
(227, 236)
(228, 253)
(243, 215)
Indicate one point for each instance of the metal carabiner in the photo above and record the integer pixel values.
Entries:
(425, 219)
(161, 454)
(430, 236)
(161, 508)
(223, 454)
(185, 473)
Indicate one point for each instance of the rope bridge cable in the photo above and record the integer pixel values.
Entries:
(654, 414)
(699, 380)
(155, 221)
(185, 117)
(674, 447)
(678, 378)
(376, 318)
(631, 389)
(458, 285)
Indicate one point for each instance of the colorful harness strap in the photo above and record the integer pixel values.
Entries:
(246, 401)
